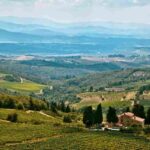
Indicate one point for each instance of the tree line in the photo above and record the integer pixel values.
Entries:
(95, 117)
(61, 106)
(22, 102)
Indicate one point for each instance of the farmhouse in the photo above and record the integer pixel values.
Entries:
(129, 119)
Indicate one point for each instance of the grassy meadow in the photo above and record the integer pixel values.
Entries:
(37, 131)
(26, 86)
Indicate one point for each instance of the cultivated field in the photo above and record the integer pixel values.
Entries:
(26, 86)
(114, 99)
(37, 131)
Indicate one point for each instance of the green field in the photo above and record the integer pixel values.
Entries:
(45, 130)
(26, 86)
(114, 99)
(49, 132)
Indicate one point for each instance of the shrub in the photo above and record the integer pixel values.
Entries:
(67, 119)
(11, 78)
(10, 103)
(20, 106)
(12, 117)
(146, 130)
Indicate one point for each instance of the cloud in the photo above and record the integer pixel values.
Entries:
(79, 10)
(74, 2)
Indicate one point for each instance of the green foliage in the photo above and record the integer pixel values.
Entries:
(88, 118)
(98, 115)
(20, 106)
(67, 119)
(53, 107)
(62, 106)
(111, 115)
(144, 88)
(11, 78)
(91, 89)
(12, 117)
(148, 116)
(21, 102)
(68, 109)
(138, 110)
(127, 109)
(9, 103)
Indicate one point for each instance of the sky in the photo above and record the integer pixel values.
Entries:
(122, 11)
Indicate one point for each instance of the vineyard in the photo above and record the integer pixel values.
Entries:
(37, 131)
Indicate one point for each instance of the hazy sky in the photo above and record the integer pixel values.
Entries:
(133, 11)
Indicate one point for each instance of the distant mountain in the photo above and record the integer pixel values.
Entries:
(31, 35)
(7, 36)
(28, 25)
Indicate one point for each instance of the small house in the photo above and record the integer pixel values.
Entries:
(129, 119)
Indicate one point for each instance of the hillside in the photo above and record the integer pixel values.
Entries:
(127, 79)
(119, 100)
(37, 131)
(69, 76)
(18, 84)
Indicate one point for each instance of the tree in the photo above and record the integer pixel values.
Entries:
(67, 119)
(98, 116)
(138, 110)
(10, 103)
(88, 116)
(68, 109)
(20, 106)
(127, 109)
(62, 106)
(31, 104)
(91, 89)
(53, 107)
(148, 116)
(112, 116)
(12, 117)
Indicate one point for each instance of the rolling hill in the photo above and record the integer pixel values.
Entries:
(24, 86)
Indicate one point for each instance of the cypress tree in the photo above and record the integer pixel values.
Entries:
(88, 116)
(138, 110)
(98, 116)
(53, 106)
(127, 109)
(148, 116)
(109, 115)
(112, 116)
(68, 109)
(62, 106)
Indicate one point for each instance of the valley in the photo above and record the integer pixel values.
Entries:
(74, 86)
(33, 88)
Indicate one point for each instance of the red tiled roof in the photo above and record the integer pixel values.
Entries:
(138, 119)
(132, 116)
(127, 114)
